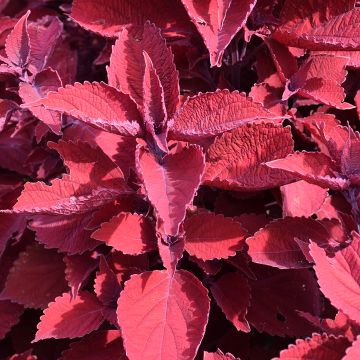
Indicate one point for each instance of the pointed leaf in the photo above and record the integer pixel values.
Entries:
(316, 168)
(171, 184)
(210, 114)
(162, 316)
(17, 45)
(235, 160)
(209, 236)
(127, 66)
(275, 245)
(96, 104)
(129, 233)
(70, 318)
(232, 294)
(219, 355)
(218, 21)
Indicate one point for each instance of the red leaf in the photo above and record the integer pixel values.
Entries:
(209, 114)
(218, 355)
(339, 278)
(318, 347)
(275, 245)
(171, 184)
(67, 233)
(277, 296)
(129, 233)
(102, 345)
(17, 44)
(111, 16)
(97, 104)
(94, 180)
(127, 65)
(218, 21)
(44, 35)
(235, 160)
(9, 316)
(316, 168)
(70, 318)
(209, 236)
(352, 353)
(78, 269)
(107, 287)
(162, 316)
(43, 82)
(36, 278)
(302, 198)
(233, 300)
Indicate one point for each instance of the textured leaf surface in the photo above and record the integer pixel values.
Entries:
(275, 245)
(209, 236)
(319, 347)
(94, 180)
(339, 277)
(102, 345)
(97, 104)
(39, 266)
(17, 45)
(127, 65)
(45, 81)
(218, 21)
(171, 184)
(235, 160)
(129, 233)
(209, 114)
(232, 293)
(111, 16)
(162, 316)
(316, 168)
(70, 318)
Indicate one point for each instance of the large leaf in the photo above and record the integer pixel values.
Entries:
(339, 277)
(236, 159)
(162, 316)
(210, 114)
(70, 318)
(218, 21)
(97, 104)
(171, 184)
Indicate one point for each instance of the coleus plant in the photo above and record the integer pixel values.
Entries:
(159, 222)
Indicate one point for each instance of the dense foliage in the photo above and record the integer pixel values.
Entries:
(180, 179)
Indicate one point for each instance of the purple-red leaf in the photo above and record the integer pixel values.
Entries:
(163, 316)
